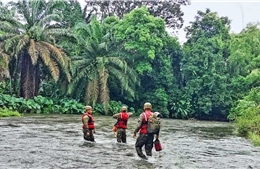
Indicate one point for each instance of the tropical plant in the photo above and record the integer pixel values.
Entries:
(29, 38)
(95, 64)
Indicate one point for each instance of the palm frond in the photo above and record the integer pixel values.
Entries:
(123, 80)
(48, 61)
(12, 42)
(119, 62)
(22, 44)
(36, 6)
(57, 32)
(6, 36)
(12, 21)
(76, 79)
(7, 27)
(22, 8)
(32, 51)
(78, 89)
(59, 55)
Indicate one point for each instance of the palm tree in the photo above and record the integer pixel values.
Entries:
(96, 64)
(29, 37)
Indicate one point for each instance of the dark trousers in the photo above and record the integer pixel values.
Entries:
(145, 140)
(121, 135)
(90, 137)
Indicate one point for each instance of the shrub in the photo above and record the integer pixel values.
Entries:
(8, 113)
(255, 138)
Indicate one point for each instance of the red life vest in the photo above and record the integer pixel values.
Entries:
(90, 121)
(144, 127)
(122, 120)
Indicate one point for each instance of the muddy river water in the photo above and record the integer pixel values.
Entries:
(56, 142)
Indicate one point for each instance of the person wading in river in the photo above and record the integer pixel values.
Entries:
(88, 126)
(121, 124)
(144, 138)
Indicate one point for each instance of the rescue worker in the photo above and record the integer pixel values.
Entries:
(88, 126)
(121, 124)
(144, 138)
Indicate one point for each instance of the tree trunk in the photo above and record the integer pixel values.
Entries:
(29, 83)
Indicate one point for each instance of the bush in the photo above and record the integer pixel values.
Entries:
(249, 125)
(40, 104)
(8, 113)
(255, 138)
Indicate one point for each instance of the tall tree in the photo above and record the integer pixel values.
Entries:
(29, 37)
(148, 49)
(140, 35)
(203, 66)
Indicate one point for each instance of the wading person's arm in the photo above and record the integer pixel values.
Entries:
(139, 125)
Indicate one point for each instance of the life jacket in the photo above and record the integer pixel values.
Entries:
(144, 126)
(90, 121)
(122, 120)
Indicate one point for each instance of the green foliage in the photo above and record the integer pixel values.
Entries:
(4, 112)
(182, 108)
(246, 114)
(114, 107)
(160, 100)
(243, 62)
(249, 122)
(141, 34)
(71, 106)
(72, 13)
(238, 108)
(203, 67)
(41, 104)
(255, 138)
(244, 51)
(250, 101)
(203, 78)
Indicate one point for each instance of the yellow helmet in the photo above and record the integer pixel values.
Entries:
(88, 107)
(124, 108)
(147, 105)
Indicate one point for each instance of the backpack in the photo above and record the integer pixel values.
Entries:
(154, 123)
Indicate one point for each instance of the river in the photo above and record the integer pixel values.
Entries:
(56, 142)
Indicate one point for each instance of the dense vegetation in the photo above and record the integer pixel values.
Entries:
(56, 57)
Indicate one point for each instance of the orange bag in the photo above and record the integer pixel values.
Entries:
(114, 129)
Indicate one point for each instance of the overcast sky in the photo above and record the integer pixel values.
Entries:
(240, 12)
